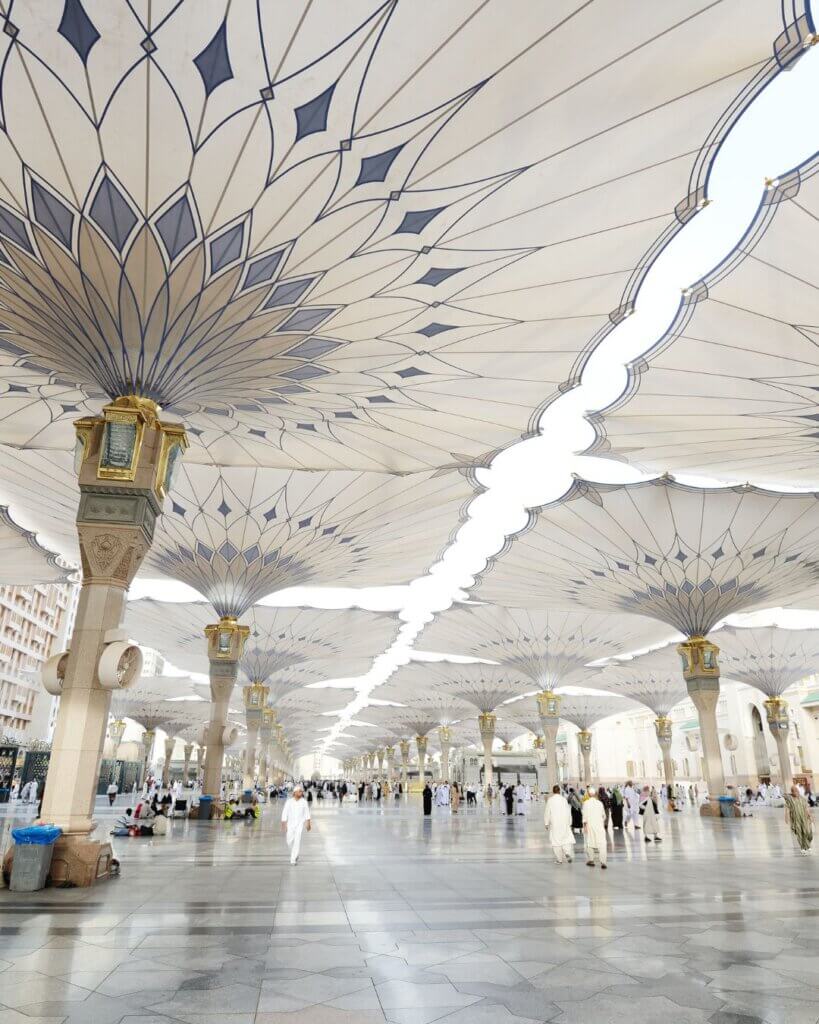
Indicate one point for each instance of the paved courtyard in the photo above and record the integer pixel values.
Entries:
(390, 917)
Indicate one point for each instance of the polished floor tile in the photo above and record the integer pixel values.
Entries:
(393, 918)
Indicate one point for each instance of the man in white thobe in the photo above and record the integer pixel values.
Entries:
(558, 822)
(632, 799)
(520, 799)
(295, 816)
(442, 795)
(594, 829)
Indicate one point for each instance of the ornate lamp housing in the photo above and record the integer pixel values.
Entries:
(226, 639)
(255, 697)
(113, 444)
(699, 658)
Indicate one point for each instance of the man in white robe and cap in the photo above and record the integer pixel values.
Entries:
(558, 822)
(520, 799)
(594, 829)
(632, 799)
(295, 816)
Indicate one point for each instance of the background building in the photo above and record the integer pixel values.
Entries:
(35, 622)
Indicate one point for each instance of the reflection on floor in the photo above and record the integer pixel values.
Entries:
(392, 917)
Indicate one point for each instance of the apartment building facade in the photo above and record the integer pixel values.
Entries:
(35, 622)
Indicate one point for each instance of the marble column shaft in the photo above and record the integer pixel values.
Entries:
(701, 673)
(549, 713)
(486, 725)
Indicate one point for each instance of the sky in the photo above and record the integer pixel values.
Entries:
(778, 132)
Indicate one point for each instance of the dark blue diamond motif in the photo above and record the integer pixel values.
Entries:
(77, 28)
(112, 214)
(415, 221)
(203, 551)
(313, 348)
(224, 508)
(306, 319)
(176, 227)
(226, 248)
(432, 329)
(12, 228)
(263, 269)
(312, 117)
(213, 62)
(51, 214)
(288, 293)
(305, 372)
(228, 551)
(376, 168)
(437, 274)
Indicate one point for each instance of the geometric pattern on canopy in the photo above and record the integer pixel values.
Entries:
(346, 236)
(732, 386)
(687, 556)
(151, 702)
(438, 708)
(584, 710)
(23, 559)
(767, 657)
(552, 647)
(653, 679)
(280, 638)
(485, 687)
(238, 534)
(42, 487)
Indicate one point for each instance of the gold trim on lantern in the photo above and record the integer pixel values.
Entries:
(132, 411)
(699, 658)
(173, 437)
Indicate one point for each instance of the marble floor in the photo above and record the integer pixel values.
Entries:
(393, 917)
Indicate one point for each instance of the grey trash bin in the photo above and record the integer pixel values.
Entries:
(30, 868)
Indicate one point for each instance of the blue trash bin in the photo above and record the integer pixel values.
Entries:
(726, 806)
(205, 807)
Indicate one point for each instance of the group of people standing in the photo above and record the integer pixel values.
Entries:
(591, 811)
(442, 794)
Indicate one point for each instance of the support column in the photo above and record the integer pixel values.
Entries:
(201, 759)
(186, 768)
(662, 726)
(548, 705)
(116, 730)
(404, 746)
(445, 739)
(380, 758)
(486, 724)
(421, 744)
(125, 454)
(389, 753)
(226, 640)
(265, 740)
(148, 738)
(255, 697)
(584, 739)
(701, 672)
(779, 724)
(170, 743)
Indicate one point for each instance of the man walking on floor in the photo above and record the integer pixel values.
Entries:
(295, 816)
(558, 822)
(594, 829)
